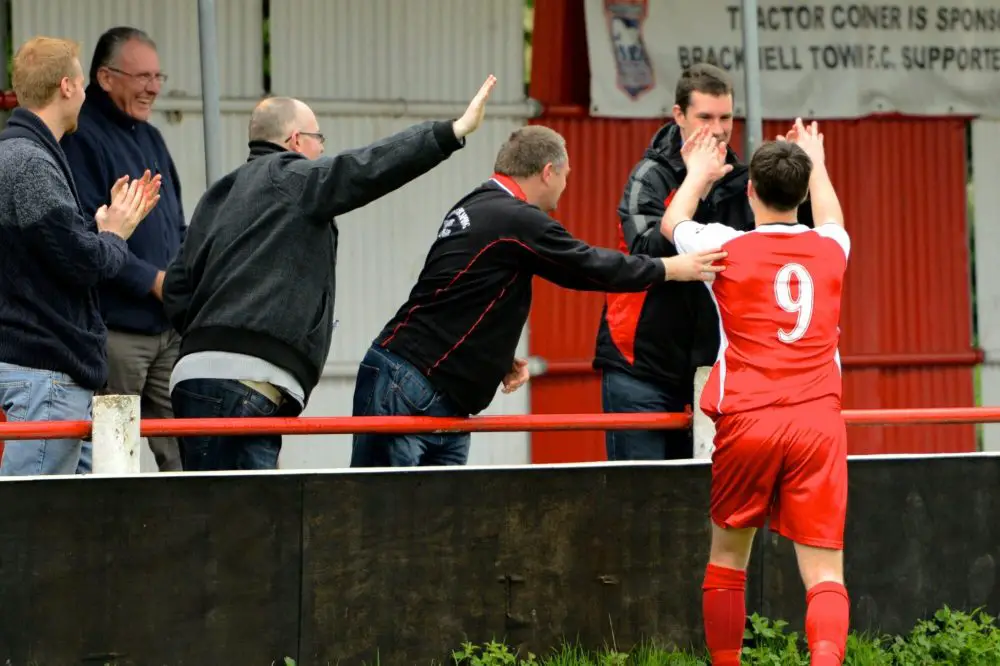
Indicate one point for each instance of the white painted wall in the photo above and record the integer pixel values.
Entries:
(986, 232)
(173, 25)
(417, 50)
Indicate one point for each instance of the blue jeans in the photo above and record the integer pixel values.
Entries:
(27, 394)
(622, 393)
(226, 398)
(387, 385)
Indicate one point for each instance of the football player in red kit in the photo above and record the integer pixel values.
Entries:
(774, 391)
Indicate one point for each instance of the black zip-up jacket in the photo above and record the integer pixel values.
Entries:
(663, 335)
(256, 274)
(462, 321)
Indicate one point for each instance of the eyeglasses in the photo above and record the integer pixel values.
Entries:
(316, 135)
(145, 78)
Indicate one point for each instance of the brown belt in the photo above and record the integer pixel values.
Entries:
(266, 389)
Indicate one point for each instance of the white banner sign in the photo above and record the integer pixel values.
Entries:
(817, 59)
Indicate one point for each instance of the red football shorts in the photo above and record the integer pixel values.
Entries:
(786, 463)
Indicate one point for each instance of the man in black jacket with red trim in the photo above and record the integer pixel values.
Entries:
(451, 345)
(649, 344)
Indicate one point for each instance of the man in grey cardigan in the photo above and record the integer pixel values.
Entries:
(52, 350)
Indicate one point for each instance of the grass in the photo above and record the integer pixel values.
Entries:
(949, 637)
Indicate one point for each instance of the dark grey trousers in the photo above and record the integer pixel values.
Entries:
(141, 365)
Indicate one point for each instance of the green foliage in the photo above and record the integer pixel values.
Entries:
(770, 644)
(490, 654)
(949, 638)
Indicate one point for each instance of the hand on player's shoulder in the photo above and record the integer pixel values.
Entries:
(695, 265)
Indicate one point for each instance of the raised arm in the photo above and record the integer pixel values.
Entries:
(705, 159)
(825, 203)
(569, 262)
(706, 162)
(828, 217)
(331, 186)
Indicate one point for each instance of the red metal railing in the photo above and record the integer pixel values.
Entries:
(8, 100)
(335, 425)
(967, 358)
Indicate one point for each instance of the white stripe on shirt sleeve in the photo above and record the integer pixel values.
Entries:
(691, 236)
(837, 233)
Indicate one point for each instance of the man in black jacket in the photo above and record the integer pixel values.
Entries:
(650, 344)
(451, 345)
(252, 289)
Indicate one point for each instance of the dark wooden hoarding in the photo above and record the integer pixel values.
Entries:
(402, 566)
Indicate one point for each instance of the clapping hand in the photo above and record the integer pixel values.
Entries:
(130, 203)
(150, 194)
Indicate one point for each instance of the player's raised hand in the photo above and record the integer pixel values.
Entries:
(809, 139)
(706, 158)
(694, 265)
(473, 116)
(692, 142)
(790, 137)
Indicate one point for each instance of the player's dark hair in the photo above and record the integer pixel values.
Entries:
(704, 78)
(527, 151)
(780, 173)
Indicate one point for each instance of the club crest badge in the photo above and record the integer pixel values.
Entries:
(625, 19)
(457, 220)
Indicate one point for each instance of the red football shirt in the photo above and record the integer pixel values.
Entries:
(779, 312)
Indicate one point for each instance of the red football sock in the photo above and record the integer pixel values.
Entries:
(828, 611)
(723, 605)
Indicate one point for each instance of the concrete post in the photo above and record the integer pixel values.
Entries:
(115, 435)
(703, 430)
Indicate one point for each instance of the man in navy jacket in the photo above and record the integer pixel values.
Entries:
(115, 138)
